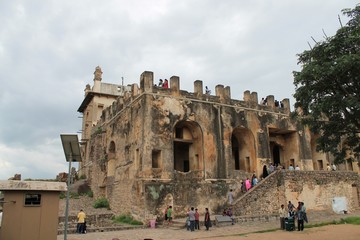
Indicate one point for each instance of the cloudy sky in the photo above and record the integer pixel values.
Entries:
(49, 51)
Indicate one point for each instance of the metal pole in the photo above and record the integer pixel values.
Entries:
(67, 199)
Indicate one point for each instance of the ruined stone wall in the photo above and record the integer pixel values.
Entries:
(186, 192)
(315, 188)
(318, 188)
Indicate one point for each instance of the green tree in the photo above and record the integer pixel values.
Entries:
(328, 90)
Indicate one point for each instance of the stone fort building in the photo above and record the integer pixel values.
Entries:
(145, 147)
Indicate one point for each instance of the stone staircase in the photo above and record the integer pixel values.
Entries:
(248, 203)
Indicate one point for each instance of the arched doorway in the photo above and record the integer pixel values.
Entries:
(188, 152)
(243, 150)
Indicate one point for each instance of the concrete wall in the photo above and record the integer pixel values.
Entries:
(32, 222)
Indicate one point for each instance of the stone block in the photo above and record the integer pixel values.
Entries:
(223, 220)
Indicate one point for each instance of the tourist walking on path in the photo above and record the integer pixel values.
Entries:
(207, 220)
(301, 215)
(165, 214)
(197, 219)
(291, 209)
(169, 215)
(230, 197)
(81, 222)
(247, 184)
(192, 219)
(282, 214)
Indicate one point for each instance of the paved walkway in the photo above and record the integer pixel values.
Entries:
(179, 234)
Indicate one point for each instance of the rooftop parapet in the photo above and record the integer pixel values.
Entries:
(175, 85)
(146, 81)
(198, 88)
(222, 94)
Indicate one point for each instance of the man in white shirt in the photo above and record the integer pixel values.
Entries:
(230, 197)
(333, 167)
(283, 214)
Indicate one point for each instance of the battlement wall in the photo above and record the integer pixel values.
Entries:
(222, 96)
(222, 93)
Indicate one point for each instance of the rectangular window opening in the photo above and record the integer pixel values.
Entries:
(32, 199)
(320, 165)
(179, 133)
(156, 159)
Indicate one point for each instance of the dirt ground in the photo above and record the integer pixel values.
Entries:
(330, 232)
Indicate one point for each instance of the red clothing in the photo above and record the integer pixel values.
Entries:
(197, 215)
(165, 84)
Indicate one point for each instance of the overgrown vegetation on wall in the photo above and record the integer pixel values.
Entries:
(101, 203)
(126, 219)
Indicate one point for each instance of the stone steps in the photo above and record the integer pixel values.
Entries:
(72, 229)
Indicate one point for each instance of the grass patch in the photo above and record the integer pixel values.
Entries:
(127, 219)
(260, 231)
(75, 195)
(101, 203)
(319, 224)
(348, 220)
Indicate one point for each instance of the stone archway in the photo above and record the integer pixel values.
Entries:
(243, 150)
(188, 150)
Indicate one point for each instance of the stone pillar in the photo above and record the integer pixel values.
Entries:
(134, 90)
(97, 79)
(227, 93)
(270, 101)
(219, 92)
(286, 104)
(87, 89)
(247, 96)
(198, 88)
(146, 81)
(175, 85)
(254, 97)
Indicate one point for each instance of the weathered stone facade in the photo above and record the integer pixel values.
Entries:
(151, 147)
(316, 189)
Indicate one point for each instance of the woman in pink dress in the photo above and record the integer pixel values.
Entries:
(247, 184)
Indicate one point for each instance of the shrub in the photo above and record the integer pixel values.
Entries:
(83, 176)
(102, 203)
(74, 195)
(62, 195)
(89, 194)
(126, 219)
